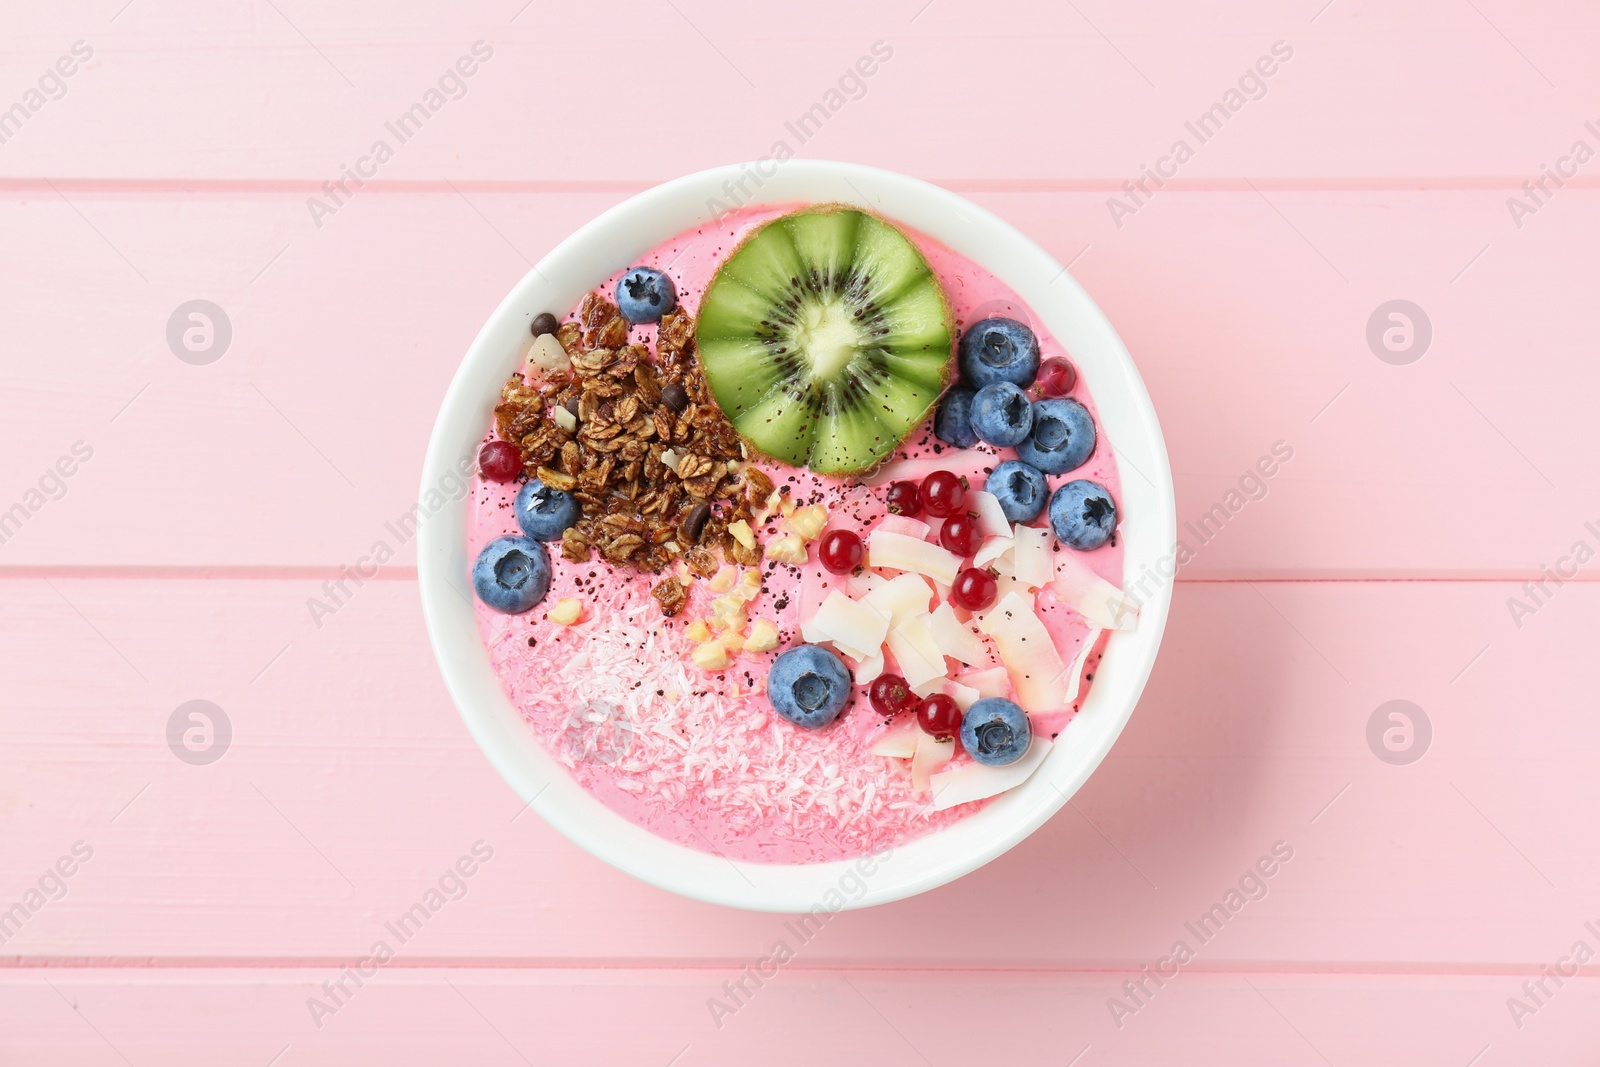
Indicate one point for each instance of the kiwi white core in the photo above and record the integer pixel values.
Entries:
(829, 333)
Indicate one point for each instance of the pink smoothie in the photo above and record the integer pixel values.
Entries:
(700, 757)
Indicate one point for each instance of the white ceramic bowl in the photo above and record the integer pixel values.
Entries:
(615, 240)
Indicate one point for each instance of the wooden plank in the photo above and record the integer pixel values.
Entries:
(325, 397)
(1094, 90)
(350, 786)
(799, 1016)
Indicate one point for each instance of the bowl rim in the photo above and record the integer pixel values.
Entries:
(610, 242)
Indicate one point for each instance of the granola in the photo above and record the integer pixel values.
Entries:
(656, 468)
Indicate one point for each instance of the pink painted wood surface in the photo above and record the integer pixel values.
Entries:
(1378, 565)
(332, 382)
(804, 1016)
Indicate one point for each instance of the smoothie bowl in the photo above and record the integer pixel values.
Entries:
(815, 548)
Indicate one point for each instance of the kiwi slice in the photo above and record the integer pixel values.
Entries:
(825, 338)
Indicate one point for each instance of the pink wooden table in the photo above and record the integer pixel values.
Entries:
(174, 517)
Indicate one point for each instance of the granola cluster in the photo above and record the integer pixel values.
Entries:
(655, 466)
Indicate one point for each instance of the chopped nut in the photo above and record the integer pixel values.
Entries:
(672, 460)
(750, 584)
(723, 580)
(568, 608)
(711, 656)
(808, 521)
(790, 549)
(729, 624)
(747, 555)
(763, 636)
(697, 631)
(672, 596)
(547, 356)
(728, 612)
(742, 533)
(564, 418)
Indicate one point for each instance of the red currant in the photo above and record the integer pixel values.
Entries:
(903, 499)
(1056, 377)
(974, 590)
(943, 494)
(890, 695)
(841, 551)
(961, 534)
(500, 461)
(939, 715)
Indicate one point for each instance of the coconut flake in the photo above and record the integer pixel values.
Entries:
(1027, 650)
(1074, 678)
(904, 524)
(964, 696)
(899, 740)
(1097, 600)
(900, 597)
(1030, 555)
(932, 756)
(991, 516)
(899, 552)
(976, 781)
(992, 549)
(848, 623)
(954, 639)
(916, 651)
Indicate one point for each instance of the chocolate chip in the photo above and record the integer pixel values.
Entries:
(544, 323)
(675, 397)
(694, 524)
(572, 406)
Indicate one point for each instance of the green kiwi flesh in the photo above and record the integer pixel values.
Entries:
(826, 338)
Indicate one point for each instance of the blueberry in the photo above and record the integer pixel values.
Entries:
(1062, 437)
(999, 350)
(809, 686)
(512, 574)
(645, 294)
(995, 731)
(1020, 488)
(953, 424)
(1083, 515)
(543, 512)
(1001, 414)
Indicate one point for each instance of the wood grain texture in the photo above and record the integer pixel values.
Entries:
(1073, 92)
(351, 786)
(344, 340)
(657, 1017)
(1374, 164)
